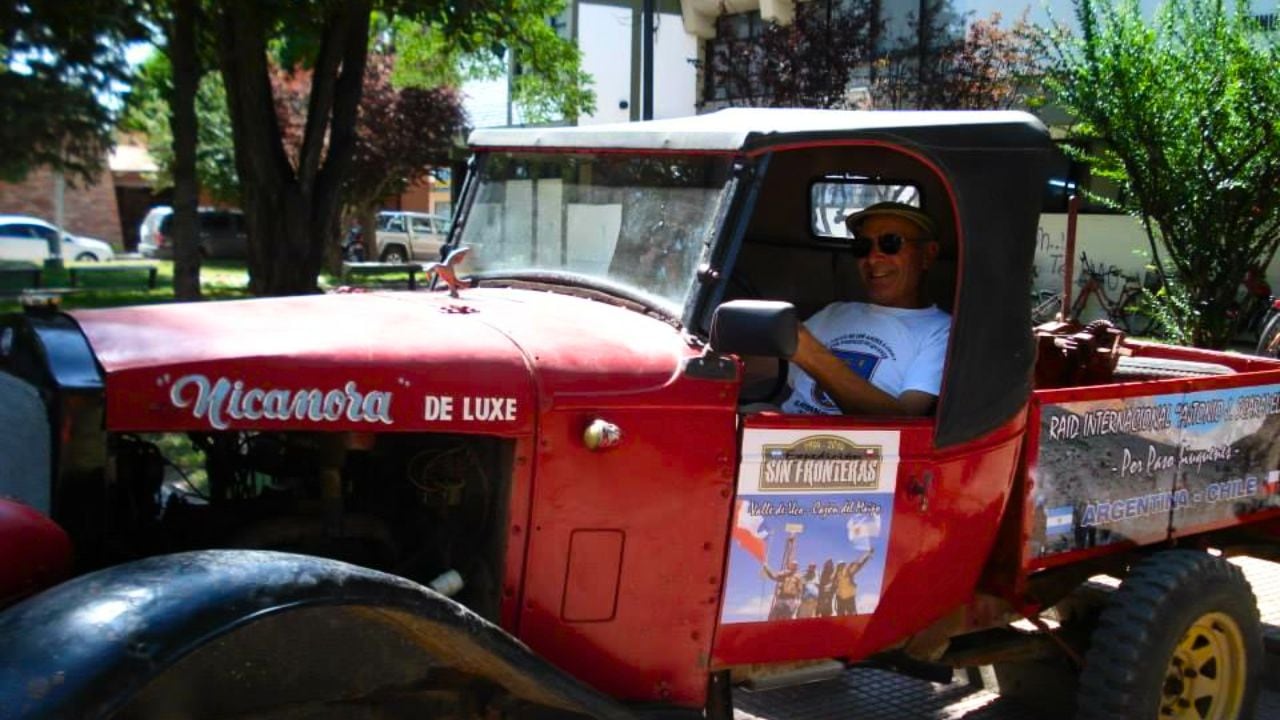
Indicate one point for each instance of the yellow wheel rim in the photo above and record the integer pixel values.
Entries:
(1205, 678)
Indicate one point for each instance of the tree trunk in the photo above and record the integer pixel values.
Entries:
(182, 122)
(368, 219)
(292, 213)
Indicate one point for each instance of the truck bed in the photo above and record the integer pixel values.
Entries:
(1134, 443)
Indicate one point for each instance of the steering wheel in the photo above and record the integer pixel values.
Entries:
(774, 394)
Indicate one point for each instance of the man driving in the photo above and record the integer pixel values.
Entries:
(884, 356)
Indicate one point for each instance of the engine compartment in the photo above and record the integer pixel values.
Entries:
(421, 506)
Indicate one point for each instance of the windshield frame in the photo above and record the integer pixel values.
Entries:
(678, 311)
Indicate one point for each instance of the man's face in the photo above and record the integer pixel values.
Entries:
(894, 280)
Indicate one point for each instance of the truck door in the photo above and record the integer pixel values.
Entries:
(852, 534)
(422, 238)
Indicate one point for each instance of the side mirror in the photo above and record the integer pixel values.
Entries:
(755, 327)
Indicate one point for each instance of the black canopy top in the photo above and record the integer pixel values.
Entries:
(993, 165)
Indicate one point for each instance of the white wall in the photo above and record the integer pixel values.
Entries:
(604, 37)
(675, 79)
(1111, 241)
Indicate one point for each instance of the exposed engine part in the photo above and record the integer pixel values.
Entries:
(427, 507)
(441, 475)
(331, 456)
(447, 583)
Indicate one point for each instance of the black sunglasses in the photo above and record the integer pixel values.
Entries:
(890, 244)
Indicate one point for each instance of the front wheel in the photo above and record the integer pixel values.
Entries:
(86, 257)
(1180, 640)
(394, 254)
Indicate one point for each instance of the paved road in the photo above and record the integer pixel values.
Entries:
(861, 694)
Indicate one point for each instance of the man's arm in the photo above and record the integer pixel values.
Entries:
(855, 567)
(853, 394)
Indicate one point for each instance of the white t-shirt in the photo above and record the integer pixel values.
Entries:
(895, 349)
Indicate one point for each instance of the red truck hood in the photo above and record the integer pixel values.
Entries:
(373, 362)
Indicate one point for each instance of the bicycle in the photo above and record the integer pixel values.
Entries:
(1121, 310)
(1046, 305)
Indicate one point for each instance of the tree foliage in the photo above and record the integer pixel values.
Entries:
(1185, 113)
(63, 60)
(147, 112)
(292, 203)
(830, 48)
(809, 63)
(548, 85)
(401, 134)
(974, 65)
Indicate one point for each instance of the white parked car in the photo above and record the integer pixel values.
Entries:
(149, 230)
(23, 237)
(222, 233)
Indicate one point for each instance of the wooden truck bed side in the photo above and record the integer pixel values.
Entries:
(1155, 452)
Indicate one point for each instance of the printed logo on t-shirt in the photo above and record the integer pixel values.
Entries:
(864, 364)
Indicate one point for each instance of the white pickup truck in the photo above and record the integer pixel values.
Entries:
(410, 236)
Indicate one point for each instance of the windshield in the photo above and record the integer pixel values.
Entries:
(636, 221)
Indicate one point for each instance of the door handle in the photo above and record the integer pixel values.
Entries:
(920, 489)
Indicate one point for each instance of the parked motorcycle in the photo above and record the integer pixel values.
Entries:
(353, 245)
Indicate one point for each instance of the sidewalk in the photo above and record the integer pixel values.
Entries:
(861, 694)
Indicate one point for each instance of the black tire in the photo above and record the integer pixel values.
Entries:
(394, 254)
(86, 257)
(1269, 338)
(1153, 368)
(1180, 639)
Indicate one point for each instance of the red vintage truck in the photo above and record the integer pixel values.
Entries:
(547, 488)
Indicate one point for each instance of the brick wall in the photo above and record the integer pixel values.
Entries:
(427, 195)
(88, 210)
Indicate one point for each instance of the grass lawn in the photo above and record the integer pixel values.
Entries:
(220, 280)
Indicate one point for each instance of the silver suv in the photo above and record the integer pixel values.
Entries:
(406, 236)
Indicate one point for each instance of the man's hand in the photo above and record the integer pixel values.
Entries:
(850, 391)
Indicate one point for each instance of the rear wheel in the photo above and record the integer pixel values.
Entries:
(1180, 640)
(394, 254)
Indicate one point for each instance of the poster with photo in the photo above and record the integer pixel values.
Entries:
(1132, 469)
(811, 524)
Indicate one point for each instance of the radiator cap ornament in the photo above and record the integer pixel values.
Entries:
(446, 270)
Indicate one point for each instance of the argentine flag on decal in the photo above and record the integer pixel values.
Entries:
(750, 532)
(1059, 520)
(861, 528)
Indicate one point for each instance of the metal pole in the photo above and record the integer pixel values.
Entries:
(54, 260)
(647, 45)
(1069, 267)
(511, 72)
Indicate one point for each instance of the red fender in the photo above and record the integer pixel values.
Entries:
(36, 552)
